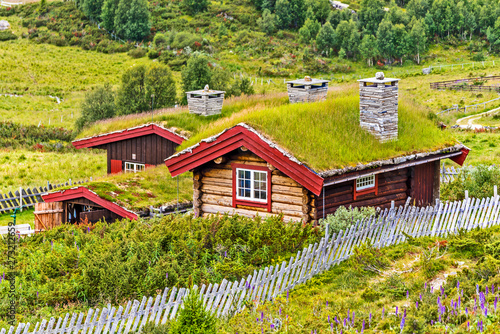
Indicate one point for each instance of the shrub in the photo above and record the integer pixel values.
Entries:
(343, 218)
(193, 318)
(137, 53)
(478, 180)
(7, 35)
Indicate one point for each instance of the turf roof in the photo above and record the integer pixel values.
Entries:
(179, 119)
(136, 191)
(327, 135)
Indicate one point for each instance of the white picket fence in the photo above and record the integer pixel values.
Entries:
(448, 174)
(390, 227)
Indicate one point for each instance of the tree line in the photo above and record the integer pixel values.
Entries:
(394, 31)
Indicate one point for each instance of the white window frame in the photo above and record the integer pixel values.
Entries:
(132, 167)
(252, 186)
(365, 182)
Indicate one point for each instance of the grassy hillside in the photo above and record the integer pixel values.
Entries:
(436, 285)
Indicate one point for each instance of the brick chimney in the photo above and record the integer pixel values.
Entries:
(378, 106)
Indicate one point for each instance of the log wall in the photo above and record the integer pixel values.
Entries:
(417, 182)
(213, 190)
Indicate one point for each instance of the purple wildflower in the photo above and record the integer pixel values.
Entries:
(407, 294)
(425, 285)
(468, 326)
(363, 327)
(331, 326)
(37, 295)
(353, 318)
(416, 304)
(383, 311)
(328, 318)
(402, 325)
(420, 297)
(458, 284)
(370, 319)
(166, 277)
(432, 289)
(287, 294)
(396, 311)
(327, 303)
(88, 229)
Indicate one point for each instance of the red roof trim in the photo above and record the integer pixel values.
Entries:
(237, 137)
(127, 134)
(461, 158)
(73, 193)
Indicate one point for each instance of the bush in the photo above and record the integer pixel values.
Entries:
(7, 35)
(478, 180)
(343, 218)
(137, 52)
(98, 104)
(193, 318)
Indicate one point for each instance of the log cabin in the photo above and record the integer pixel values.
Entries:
(134, 149)
(305, 161)
(74, 205)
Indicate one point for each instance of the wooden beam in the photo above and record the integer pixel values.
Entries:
(220, 160)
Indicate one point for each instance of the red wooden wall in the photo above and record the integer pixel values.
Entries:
(149, 150)
(417, 182)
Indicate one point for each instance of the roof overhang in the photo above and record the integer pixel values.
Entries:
(135, 132)
(236, 137)
(82, 192)
(457, 153)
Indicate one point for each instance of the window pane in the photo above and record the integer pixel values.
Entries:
(241, 174)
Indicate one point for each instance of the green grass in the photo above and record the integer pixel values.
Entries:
(36, 71)
(25, 217)
(327, 135)
(181, 119)
(136, 191)
(26, 168)
(485, 146)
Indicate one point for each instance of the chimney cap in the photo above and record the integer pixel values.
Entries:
(379, 78)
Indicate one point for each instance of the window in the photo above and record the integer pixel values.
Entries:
(365, 182)
(131, 167)
(365, 185)
(251, 184)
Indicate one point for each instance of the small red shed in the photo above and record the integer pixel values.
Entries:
(74, 205)
(134, 149)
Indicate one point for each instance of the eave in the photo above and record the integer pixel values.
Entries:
(134, 132)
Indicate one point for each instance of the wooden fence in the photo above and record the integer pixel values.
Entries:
(467, 84)
(448, 174)
(9, 4)
(29, 197)
(390, 227)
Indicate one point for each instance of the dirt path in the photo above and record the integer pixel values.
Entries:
(469, 121)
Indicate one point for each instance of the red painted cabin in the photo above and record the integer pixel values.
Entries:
(134, 149)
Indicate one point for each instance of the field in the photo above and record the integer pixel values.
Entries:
(36, 71)
(28, 168)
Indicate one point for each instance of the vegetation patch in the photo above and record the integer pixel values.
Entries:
(151, 187)
(74, 267)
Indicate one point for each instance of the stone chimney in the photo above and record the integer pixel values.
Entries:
(378, 106)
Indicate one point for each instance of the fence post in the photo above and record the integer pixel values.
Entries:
(466, 194)
(495, 192)
(70, 183)
(21, 198)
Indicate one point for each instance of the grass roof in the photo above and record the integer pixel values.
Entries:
(180, 119)
(136, 191)
(327, 135)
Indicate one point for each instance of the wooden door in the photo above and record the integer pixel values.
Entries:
(423, 184)
(48, 215)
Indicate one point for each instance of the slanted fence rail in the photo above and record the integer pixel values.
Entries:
(467, 84)
(390, 227)
(27, 197)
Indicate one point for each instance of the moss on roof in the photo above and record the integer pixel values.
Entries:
(136, 191)
(327, 135)
(179, 119)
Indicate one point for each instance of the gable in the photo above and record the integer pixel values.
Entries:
(244, 136)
